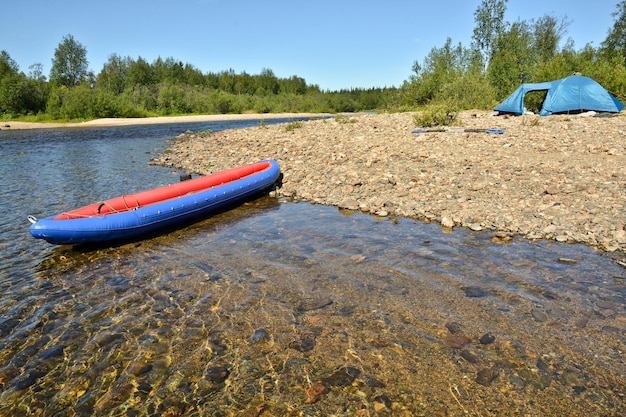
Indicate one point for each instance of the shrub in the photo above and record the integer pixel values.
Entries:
(436, 115)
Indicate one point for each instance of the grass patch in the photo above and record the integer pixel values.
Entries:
(293, 126)
(343, 119)
(533, 121)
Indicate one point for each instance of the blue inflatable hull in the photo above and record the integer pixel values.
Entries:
(132, 217)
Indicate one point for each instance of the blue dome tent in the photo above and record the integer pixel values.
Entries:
(573, 94)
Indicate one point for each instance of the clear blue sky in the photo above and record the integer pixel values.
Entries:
(334, 44)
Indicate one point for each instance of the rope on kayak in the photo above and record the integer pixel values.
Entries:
(104, 203)
(126, 203)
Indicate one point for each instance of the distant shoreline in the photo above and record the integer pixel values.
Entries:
(16, 125)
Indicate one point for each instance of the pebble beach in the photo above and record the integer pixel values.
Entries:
(559, 178)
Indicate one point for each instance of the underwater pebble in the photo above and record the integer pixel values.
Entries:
(383, 400)
(474, 291)
(314, 304)
(539, 315)
(486, 376)
(516, 381)
(217, 374)
(29, 379)
(582, 323)
(469, 356)
(305, 344)
(372, 382)
(342, 377)
(457, 341)
(487, 339)
(54, 352)
(567, 261)
(314, 392)
(453, 327)
(260, 335)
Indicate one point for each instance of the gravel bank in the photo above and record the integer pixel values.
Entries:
(559, 177)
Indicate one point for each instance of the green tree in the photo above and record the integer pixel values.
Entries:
(8, 67)
(489, 18)
(69, 65)
(512, 62)
(548, 31)
(266, 82)
(12, 86)
(440, 67)
(112, 77)
(37, 89)
(140, 73)
(615, 42)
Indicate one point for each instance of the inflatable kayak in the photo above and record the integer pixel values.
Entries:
(134, 216)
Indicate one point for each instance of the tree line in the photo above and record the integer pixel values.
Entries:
(500, 57)
(128, 87)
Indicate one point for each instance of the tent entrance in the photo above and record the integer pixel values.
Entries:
(533, 100)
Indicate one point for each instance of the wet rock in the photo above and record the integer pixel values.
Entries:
(260, 336)
(453, 327)
(486, 376)
(447, 222)
(305, 344)
(342, 377)
(474, 291)
(487, 339)
(217, 374)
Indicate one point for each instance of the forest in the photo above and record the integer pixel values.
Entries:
(501, 56)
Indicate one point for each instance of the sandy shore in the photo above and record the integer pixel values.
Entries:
(151, 120)
(561, 178)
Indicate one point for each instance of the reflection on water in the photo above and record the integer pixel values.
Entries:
(280, 308)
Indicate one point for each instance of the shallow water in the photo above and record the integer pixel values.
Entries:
(283, 308)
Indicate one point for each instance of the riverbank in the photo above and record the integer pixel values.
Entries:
(110, 122)
(559, 178)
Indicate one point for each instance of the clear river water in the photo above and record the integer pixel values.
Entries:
(287, 308)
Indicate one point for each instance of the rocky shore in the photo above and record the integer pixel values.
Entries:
(560, 178)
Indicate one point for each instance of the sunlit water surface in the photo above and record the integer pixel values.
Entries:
(283, 308)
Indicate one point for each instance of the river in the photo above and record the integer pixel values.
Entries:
(285, 308)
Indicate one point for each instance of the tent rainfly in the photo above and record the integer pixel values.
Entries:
(573, 94)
